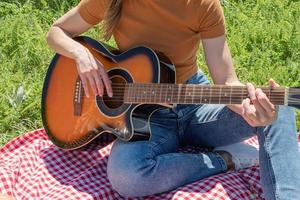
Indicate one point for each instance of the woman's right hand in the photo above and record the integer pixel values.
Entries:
(92, 73)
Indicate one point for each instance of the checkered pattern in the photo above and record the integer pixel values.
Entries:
(31, 167)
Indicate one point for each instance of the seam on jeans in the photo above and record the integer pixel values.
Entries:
(270, 168)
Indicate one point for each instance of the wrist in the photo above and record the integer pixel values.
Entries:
(234, 82)
(77, 51)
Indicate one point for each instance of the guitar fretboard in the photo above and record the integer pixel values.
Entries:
(194, 94)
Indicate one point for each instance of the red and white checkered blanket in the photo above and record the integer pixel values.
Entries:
(31, 167)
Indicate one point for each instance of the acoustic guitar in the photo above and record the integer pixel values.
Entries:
(143, 81)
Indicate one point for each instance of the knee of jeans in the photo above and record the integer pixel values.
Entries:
(129, 169)
(129, 179)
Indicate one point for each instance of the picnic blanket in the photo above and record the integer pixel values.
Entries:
(31, 167)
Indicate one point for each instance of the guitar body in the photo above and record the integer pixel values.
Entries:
(72, 120)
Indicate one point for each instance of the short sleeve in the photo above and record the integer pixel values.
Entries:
(212, 22)
(92, 11)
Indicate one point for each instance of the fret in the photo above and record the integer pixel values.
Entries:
(160, 94)
(171, 87)
(220, 92)
(214, 95)
(201, 95)
(179, 93)
(230, 93)
(147, 95)
(154, 92)
(269, 94)
(197, 93)
(209, 97)
(137, 93)
(149, 91)
(184, 93)
(125, 97)
(242, 97)
(236, 94)
(225, 95)
(166, 93)
(149, 88)
(131, 92)
(134, 93)
(277, 95)
(205, 94)
(144, 93)
(188, 94)
(182, 97)
(193, 93)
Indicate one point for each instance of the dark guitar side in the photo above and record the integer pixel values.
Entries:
(71, 125)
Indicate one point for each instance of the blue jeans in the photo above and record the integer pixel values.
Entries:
(148, 167)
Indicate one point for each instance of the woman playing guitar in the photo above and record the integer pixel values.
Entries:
(176, 28)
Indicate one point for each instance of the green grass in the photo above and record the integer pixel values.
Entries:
(263, 35)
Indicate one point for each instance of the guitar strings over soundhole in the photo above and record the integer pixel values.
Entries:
(118, 87)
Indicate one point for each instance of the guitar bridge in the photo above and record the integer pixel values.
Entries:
(77, 100)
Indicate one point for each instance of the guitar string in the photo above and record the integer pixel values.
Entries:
(192, 86)
(175, 94)
(217, 99)
(234, 90)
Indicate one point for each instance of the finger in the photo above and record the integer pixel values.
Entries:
(273, 84)
(96, 77)
(246, 109)
(251, 92)
(92, 83)
(105, 79)
(84, 85)
(259, 107)
(99, 84)
(264, 102)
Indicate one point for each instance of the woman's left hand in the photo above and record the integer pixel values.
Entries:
(261, 112)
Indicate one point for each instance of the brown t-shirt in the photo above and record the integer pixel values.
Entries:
(173, 27)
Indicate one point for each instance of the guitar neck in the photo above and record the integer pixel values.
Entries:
(162, 93)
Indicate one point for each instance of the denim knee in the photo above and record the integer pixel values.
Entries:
(130, 179)
(128, 167)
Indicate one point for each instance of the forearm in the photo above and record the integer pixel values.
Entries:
(60, 35)
(62, 42)
(221, 67)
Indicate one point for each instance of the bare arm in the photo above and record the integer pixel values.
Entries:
(62, 31)
(59, 38)
(219, 61)
(220, 65)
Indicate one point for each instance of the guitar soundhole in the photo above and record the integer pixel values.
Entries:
(118, 87)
